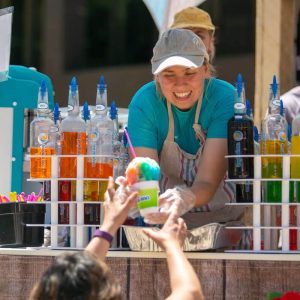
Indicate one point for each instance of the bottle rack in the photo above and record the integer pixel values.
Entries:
(257, 207)
(78, 230)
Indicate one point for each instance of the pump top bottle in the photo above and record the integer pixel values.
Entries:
(240, 136)
(40, 138)
(240, 142)
(274, 134)
(73, 134)
(100, 135)
(99, 164)
(274, 128)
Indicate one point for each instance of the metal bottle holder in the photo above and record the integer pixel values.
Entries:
(257, 206)
(78, 230)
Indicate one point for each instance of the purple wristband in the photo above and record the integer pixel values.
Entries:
(104, 235)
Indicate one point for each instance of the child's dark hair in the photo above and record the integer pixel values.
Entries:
(77, 276)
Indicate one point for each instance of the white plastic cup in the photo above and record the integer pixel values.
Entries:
(148, 196)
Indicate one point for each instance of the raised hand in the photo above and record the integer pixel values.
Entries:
(173, 232)
(117, 203)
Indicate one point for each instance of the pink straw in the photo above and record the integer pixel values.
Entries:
(129, 142)
(40, 193)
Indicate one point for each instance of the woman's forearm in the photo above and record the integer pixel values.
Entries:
(211, 170)
(203, 191)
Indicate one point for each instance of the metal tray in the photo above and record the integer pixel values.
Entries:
(208, 237)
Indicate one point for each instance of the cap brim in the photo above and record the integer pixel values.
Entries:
(178, 61)
(192, 25)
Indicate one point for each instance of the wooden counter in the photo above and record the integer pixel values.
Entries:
(144, 275)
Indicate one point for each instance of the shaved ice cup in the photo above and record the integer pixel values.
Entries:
(148, 196)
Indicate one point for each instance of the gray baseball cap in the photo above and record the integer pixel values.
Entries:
(178, 47)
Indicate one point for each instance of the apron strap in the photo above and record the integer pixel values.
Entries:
(170, 136)
(197, 127)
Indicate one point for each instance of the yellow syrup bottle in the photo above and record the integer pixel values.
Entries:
(295, 173)
(273, 141)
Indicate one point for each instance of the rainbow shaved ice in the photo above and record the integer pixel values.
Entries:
(143, 174)
(142, 169)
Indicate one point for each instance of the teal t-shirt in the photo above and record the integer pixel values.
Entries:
(148, 117)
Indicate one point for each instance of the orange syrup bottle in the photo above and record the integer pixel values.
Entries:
(41, 142)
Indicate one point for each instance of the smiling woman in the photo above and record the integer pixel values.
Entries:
(182, 86)
(172, 118)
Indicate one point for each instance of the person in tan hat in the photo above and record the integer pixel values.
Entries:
(180, 120)
(199, 21)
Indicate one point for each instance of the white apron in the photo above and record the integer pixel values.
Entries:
(179, 167)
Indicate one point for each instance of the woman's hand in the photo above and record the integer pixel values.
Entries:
(180, 198)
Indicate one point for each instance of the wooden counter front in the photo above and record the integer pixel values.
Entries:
(144, 275)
